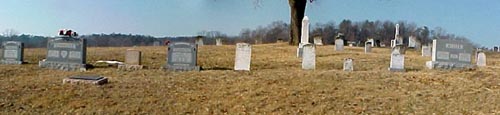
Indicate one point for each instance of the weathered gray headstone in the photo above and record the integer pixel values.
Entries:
(156, 43)
(368, 47)
(318, 40)
(397, 59)
(218, 42)
(86, 79)
(372, 41)
(243, 56)
(496, 49)
(481, 59)
(182, 56)
(339, 45)
(348, 64)
(426, 51)
(12, 52)
(66, 53)
(309, 57)
(132, 60)
(199, 41)
(451, 54)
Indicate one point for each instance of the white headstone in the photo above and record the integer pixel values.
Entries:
(371, 41)
(243, 56)
(304, 39)
(318, 41)
(412, 42)
(368, 47)
(426, 51)
(339, 45)
(397, 60)
(309, 57)
(481, 59)
(218, 42)
(348, 64)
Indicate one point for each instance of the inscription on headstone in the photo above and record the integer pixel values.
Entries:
(243, 56)
(348, 64)
(12, 52)
(66, 53)
(309, 57)
(481, 59)
(339, 45)
(450, 54)
(182, 56)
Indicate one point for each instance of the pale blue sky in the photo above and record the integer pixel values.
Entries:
(476, 19)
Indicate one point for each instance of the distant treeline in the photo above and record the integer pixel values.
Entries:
(359, 32)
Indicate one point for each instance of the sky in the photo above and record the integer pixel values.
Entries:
(478, 20)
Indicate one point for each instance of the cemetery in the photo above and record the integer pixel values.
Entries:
(366, 67)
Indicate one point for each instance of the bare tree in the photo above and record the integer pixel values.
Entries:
(10, 33)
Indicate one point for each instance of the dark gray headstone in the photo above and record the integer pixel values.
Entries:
(66, 53)
(451, 54)
(12, 52)
(182, 56)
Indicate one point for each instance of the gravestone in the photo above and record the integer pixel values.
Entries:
(371, 41)
(412, 42)
(426, 51)
(156, 43)
(304, 38)
(66, 53)
(397, 53)
(481, 59)
(199, 41)
(12, 52)
(397, 59)
(132, 60)
(348, 64)
(450, 54)
(318, 41)
(339, 45)
(351, 43)
(218, 42)
(182, 56)
(86, 79)
(243, 56)
(496, 49)
(309, 57)
(368, 47)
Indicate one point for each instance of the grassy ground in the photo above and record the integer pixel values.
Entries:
(276, 85)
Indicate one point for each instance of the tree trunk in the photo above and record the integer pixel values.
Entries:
(297, 10)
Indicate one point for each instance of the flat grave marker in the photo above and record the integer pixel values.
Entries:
(86, 79)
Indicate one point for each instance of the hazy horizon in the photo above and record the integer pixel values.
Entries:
(476, 20)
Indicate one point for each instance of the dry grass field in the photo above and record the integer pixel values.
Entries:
(275, 85)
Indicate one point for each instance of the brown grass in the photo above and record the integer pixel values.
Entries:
(276, 85)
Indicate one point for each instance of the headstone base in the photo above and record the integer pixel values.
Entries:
(181, 68)
(447, 65)
(126, 67)
(94, 80)
(7, 62)
(63, 66)
(396, 70)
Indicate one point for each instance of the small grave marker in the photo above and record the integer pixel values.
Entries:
(318, 40)
(243, 56)
(309, 57)
(132, 60)
(86, 79)
(339, 45)
(12, 52)
(348, 64)
(481, 59)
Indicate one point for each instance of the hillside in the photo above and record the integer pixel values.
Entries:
(275, 85)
